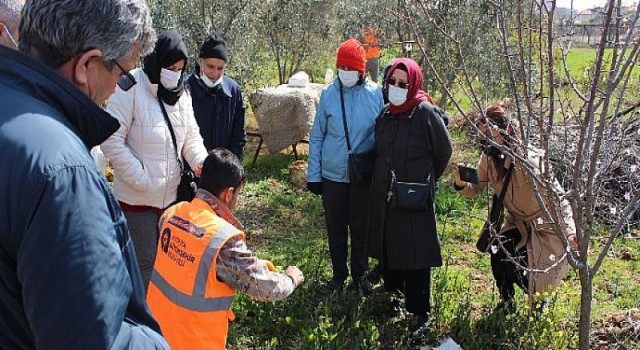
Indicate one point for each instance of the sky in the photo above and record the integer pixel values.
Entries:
(587, 4)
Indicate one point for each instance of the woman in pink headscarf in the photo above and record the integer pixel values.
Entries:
(412, 145)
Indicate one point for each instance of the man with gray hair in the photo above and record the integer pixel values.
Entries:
(69, 274)
(9, 20)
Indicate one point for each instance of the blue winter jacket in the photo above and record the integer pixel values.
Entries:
(68, 274)
(219, 113)
(327, 144)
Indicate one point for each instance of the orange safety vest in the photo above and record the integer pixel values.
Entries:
(191, 305)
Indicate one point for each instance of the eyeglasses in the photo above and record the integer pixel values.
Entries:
(6, 29)
(401, 84)
(127, 81)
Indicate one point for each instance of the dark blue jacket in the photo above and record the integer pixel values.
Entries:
(68, 274)
(219, 113)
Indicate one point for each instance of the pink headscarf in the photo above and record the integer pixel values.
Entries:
(415, 95)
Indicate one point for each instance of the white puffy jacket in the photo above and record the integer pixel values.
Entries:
(141, 152)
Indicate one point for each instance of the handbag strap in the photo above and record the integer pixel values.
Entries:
(395, 135)
(344, 117)
(173, 135)
(497, 207)
(506, 184)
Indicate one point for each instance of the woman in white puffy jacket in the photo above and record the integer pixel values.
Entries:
(145, 161)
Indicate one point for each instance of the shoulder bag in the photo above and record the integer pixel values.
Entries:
(360, 165)
(414, 196)
(410, 195)
(496, 217)
(187, 187)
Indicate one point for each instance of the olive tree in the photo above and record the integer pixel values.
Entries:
(295, 32)
(286, 35)
(234, 20)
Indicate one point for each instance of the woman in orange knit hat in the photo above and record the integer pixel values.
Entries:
(343, 130)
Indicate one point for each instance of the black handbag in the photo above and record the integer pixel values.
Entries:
(359, 165)
(187, 187)
(360, 168)
(410, 195)
(496, 217)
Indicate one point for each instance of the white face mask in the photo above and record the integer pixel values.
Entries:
(169, 79)
(397, 96)
(210, 84)
(348, 78)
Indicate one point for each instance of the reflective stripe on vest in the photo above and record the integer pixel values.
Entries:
(197, 301)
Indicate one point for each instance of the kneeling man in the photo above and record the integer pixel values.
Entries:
(203, 259)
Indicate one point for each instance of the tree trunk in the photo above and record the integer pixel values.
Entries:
(586, 296)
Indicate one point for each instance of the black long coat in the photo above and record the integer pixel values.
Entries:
(413, 143)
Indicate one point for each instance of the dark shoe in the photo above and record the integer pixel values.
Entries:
(420, 328)
(335, 285)
(396, 309)
(364, 285)
(375, 274)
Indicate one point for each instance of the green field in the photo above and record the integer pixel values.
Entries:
(579, 58)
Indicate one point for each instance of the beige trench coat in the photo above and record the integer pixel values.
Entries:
(545, 248)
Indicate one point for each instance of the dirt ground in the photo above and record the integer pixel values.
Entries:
(617, 328)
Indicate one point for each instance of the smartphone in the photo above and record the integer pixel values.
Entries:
(468, 174)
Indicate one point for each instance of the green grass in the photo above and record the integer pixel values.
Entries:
(286, 225)
(580, 58)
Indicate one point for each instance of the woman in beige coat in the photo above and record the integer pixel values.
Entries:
(531, 255)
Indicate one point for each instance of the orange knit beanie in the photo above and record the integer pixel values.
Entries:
(351, 55)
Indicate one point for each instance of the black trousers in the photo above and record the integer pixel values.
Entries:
(345, 208)
(414, 284)
(504, 271)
